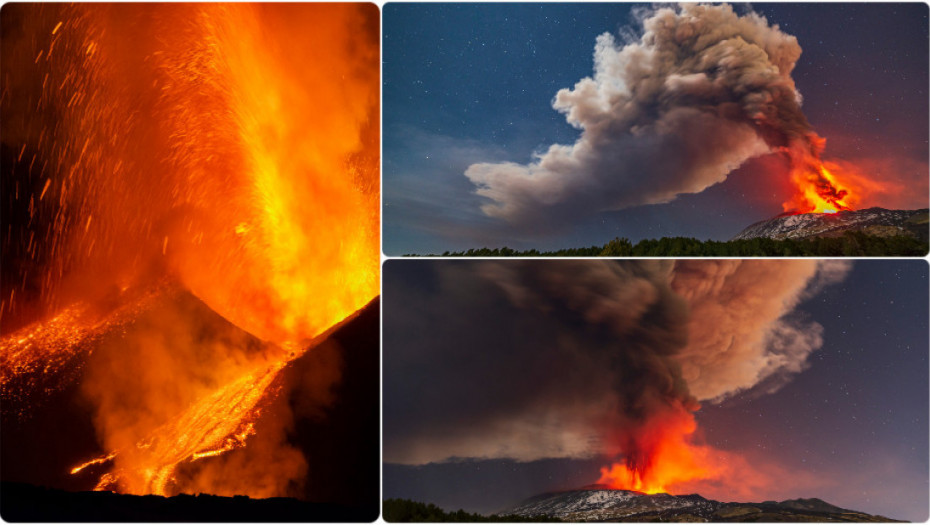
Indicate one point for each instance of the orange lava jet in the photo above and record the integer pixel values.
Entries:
(818, 191)
(231, 148)
(660, 457)
(819, 187)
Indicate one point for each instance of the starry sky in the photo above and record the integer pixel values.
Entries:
(468, 83)
(851, 428)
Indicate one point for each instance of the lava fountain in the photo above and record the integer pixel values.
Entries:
(665, 453)
(818, 186)
(229, 150)
(659, 456)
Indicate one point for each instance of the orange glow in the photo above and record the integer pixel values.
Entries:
(229, 149)
(818, 189)
(43, 349)
(292, 224)
(218, 423)
(661, 457)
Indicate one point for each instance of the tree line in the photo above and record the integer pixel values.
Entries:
(850, 244)
(405, 510)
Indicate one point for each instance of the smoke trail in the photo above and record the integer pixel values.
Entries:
(700, 92)
(529, 360)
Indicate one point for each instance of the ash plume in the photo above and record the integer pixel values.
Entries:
(569, 359)
(742, 332)
(671, 112)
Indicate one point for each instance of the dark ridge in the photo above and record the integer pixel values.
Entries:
(27, 503)
(405, 510)
(815, 504)
(848, 243)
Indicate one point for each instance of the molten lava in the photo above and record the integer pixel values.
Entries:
(230, 148)
(818, 191)
(819, 187)
(660, 456)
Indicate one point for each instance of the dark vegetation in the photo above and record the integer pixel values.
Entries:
(405, 510)
(850, 244)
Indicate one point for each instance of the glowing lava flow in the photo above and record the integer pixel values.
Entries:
(661, 456)
(220, 422)
(217, 423)
(40, 351)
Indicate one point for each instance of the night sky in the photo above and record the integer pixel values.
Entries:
(474, 83)
(850, 429)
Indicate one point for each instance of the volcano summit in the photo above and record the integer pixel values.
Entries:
(596, 503)
(878, 222)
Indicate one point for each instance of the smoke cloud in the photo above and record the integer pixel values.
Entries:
(570, 359)
(742, 330)
(699, 93)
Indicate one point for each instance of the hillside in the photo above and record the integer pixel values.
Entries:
(599, 504)
(877, 222)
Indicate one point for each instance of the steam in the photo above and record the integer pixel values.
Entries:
(699, 93)
(570, 359)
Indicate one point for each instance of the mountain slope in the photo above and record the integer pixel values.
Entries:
(598, 504)
(873, 221)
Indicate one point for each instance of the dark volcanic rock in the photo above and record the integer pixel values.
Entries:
(873, 221)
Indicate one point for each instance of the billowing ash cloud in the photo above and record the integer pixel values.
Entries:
(742, 331)
(701, 91)
(545, 359)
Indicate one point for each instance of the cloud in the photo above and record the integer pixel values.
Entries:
(743, 330)
(699, 93)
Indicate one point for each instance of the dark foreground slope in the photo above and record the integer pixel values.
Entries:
(404, 510)
(25, 503)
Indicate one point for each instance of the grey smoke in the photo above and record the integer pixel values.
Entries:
(568, 359)
(699, 93)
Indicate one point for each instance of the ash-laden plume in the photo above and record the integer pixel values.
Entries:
(674, 111)
(570, 359)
